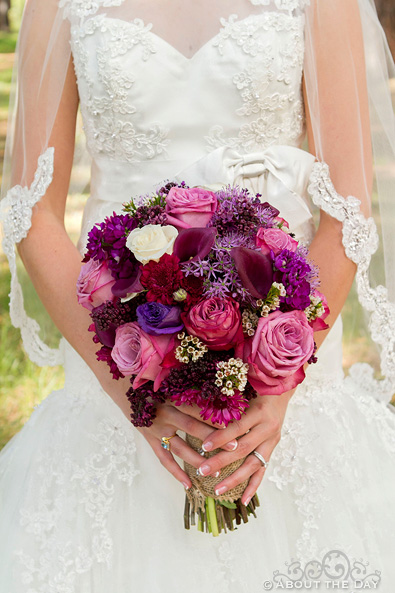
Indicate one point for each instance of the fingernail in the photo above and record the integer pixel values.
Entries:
(204, 470)
(216, 475)
(186, 486)
(221, 490)
(207, 446)
(245, 503)
(232, 445)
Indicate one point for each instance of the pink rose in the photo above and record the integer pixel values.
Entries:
(282, 344)
(137, 353)
(94, 284)
(216, 321)
(275, 240)
(187, 208)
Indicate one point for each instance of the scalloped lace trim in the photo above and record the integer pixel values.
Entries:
(15, 214)
(360, 240)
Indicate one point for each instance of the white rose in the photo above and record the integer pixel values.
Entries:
(151, 242)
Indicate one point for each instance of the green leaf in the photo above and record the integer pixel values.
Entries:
(227, 504)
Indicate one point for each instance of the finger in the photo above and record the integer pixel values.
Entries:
(246, 444)
(252, 468)
(256, 478)
(180, 448)
(217, 439)
(193, 427)
(169, 463)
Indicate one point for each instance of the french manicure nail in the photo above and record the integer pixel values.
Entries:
(207, 446)
(245, 503)
(221, 490)
(186, 486)
(216, 475)
(232, 446)
(204, 470)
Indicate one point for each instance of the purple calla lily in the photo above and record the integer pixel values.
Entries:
(195, 243)
(255, 270)
(125, 286)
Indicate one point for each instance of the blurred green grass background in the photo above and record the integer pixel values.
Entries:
(23, 385)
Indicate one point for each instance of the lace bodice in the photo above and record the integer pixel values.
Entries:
(152, 109)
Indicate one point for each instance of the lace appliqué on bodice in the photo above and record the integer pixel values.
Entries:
(263, 82)
(106, 93)
(269, 85)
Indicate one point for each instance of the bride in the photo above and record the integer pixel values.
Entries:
(207, 92)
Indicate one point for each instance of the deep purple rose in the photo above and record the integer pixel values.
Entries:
(155, 318)
(282, 344)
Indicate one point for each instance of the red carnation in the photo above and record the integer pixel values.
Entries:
(162, 279)
(194, 287)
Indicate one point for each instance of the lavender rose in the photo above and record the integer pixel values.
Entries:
(156, 319)
(94, 284)
(282, 344)
(137, 353)
(186, 208)
(275, 240)
(215, 321)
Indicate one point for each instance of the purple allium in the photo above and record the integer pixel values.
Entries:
(239, 211)
(156, 318)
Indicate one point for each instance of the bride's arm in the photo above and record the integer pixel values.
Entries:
(344, 143)
(53, 263)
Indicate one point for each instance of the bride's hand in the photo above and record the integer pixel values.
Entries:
(168, 420)
(262, 422)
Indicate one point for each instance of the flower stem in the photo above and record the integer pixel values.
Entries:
(212, 515)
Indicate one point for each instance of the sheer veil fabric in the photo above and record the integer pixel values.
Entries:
(335, 31)
(209, 92)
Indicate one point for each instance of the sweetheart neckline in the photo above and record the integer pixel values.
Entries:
(149, 26)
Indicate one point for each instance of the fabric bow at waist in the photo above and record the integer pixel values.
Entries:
(280, 174)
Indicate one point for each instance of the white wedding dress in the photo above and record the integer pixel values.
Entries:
(85, 506)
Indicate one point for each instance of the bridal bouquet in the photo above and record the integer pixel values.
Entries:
(202, 298)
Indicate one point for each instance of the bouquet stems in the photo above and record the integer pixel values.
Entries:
(215, 513)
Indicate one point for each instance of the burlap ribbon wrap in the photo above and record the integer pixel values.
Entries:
(204, 486)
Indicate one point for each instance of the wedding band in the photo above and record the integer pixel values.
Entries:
(261, 459)
(165, 441)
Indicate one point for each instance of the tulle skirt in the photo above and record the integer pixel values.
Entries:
(86, 507)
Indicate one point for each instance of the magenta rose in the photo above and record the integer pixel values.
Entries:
(275, 240)
(282, 344)
(137, 353)
(94, 284)
(187, 208)
(215, 321)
